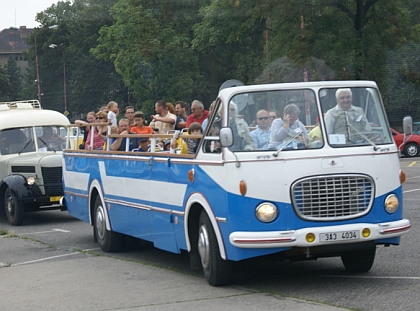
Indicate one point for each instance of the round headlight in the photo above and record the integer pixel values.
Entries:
(391, 203)
(30, 181)
(266, 212)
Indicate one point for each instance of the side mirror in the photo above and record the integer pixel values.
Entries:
(226, 137)
(408, 125)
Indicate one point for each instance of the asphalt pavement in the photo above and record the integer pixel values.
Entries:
(37, 276)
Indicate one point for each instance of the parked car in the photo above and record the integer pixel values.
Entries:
(411, 147)
(416, 127)
(30, 158)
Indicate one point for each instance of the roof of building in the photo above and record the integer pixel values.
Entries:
(13, 40)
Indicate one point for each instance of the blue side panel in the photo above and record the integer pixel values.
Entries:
(147, 198)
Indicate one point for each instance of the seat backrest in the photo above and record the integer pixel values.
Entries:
(15, 148)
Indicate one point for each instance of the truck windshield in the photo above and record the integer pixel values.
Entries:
(16, 140)
(294, 120)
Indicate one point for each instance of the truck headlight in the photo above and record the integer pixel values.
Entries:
(266, 212)
(30, 181)
(391, 203)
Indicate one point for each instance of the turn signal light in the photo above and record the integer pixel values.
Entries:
(366, 232)
(402, 176)
(242, 187)
(310, 237)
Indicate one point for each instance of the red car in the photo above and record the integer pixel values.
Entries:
(411, 146)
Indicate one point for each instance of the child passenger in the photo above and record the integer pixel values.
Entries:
(192, 143)
(112, 112)
(143, 144)
(140, 127)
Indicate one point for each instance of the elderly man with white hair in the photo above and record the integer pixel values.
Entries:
(242, 139)
(346, 119)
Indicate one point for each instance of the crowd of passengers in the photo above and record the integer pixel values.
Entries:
(271, 131)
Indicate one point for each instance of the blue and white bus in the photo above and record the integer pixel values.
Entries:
(340, 196)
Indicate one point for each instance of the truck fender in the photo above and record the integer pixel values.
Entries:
(17, 184)
(200, 199)
(95, 186)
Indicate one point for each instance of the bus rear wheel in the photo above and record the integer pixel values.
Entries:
(358, 260)
(109, 241)
(217, 271)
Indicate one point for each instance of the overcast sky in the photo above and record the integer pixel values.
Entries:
(16, 13)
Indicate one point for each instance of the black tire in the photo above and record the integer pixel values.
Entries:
(411, 150)
(358, 261)
(108, 241)
(217, 271)
(14, 210)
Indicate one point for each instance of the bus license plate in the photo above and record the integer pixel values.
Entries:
(55, 199)
(339, 236)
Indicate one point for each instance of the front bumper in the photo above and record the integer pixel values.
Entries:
(297, 238)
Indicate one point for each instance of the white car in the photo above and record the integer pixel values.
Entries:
(30, 158)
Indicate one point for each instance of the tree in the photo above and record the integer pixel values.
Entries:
(150, 46)
(4, 85)
(90, 82)
(15, 79)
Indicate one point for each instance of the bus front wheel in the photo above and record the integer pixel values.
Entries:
(217, 271)
(358, 260)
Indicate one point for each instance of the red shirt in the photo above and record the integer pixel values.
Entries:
(191, 118)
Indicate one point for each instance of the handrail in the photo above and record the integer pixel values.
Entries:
(152, 137)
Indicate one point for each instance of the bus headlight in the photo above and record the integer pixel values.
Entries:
(30, 181)
(391, 203)
(266, 212)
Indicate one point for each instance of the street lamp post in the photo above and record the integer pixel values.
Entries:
(53, 46)
(38, 81)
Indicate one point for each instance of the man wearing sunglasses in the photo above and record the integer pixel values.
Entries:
(261, 135)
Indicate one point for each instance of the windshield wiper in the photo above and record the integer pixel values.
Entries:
(275, 154)
(375, 147)
(26, 145)
(46, 145)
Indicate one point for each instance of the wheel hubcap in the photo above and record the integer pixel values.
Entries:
(412, 151)
(9, 206)
(100, 222)
(204, 247)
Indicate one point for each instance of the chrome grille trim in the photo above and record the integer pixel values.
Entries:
(333, 197)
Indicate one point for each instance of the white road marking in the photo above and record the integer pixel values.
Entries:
(2, 264)
(61, 230)
(50, 231)
(43, 259)
(49, 258)
(412, 190)
(373, 277)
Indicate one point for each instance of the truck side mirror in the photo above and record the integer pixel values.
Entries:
(408, 125)
(226, 137)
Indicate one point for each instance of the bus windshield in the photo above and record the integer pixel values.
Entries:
(306, 119)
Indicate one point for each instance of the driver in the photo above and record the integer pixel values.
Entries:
(345, 118)
(49, 139)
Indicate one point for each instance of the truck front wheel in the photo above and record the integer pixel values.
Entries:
(13, 209)
(217, 271)
(359, 260)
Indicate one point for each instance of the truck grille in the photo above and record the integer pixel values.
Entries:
(53, 181)
(333, 197)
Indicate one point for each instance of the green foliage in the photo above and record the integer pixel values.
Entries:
(90, 83)
(4, 85)
(139, 51)
(15, 79)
